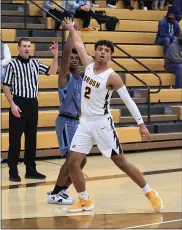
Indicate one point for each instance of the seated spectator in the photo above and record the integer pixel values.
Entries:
(173, 60)
(79, 9)
(155, 4)
(168, 28)
(56, 11)
(5, 59)
(94, 4)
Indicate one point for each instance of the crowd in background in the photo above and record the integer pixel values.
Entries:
(170, 37)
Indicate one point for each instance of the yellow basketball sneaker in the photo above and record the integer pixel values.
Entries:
(81, 205)
(155, 200)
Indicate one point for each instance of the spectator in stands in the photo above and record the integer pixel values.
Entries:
(56, 11)
(168, 29)
(173, 60)
(156, 3)
(79, 9)
(5, 59)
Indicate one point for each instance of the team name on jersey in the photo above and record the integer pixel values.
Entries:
(92, 82)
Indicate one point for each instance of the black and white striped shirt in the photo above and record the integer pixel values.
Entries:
(22, 75)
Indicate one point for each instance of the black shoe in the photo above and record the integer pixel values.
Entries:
(34, 175)
(141, 6)
(15, 178)
(130, 7)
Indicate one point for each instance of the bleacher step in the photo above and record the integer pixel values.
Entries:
(12, 13)
(154, 118)
(22, 25)
(170, 127)
(7, 6)
(45, 54)
(154, 110)
(30, 20)
(45, 46)
(131, 135)
(36, 33)
(43, 39)
(117, 101)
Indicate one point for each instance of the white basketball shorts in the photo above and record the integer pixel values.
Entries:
(102, 131)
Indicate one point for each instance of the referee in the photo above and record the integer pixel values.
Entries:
(21, 81)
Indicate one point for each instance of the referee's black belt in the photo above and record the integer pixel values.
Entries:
(24, 98)
(68, 116)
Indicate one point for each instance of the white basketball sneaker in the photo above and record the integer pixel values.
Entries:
(60, 198)
(65, 194)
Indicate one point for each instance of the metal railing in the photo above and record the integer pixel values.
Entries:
(58, 5)
(144, 83)
(26, 14)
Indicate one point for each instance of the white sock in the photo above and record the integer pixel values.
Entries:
(162, 4)
(156, 3)
(146, 189)
(83, 195)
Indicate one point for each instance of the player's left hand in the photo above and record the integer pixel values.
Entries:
(54, 49)
(68, 24)
(145, 134)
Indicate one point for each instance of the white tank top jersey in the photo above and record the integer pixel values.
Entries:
(95, 98)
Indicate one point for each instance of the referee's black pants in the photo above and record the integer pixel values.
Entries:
(26, 124)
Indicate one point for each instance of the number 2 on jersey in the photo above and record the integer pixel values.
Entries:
(87, 92)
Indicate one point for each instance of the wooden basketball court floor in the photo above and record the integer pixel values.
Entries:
(119, 203)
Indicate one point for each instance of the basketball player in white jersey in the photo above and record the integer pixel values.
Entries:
(97, 124)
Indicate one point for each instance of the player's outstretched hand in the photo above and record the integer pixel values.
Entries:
(145, 134)
(54, 49)
(68, 24)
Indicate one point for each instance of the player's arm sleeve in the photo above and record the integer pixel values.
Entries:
(123, 93)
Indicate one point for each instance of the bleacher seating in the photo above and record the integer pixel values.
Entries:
(135, 34)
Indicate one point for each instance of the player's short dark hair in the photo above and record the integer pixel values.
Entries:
(105, 43)
(74, 51)
(23, 40)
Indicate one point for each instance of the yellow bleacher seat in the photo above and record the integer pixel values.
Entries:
(47, 99)
(167, 95)
(117, 37)
(8, 35)
(123, 25)
(154, 64)
(125, 134)
(134, 50)
(48, 118)
(178, 110)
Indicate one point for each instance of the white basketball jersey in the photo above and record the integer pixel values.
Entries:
(95, 98)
